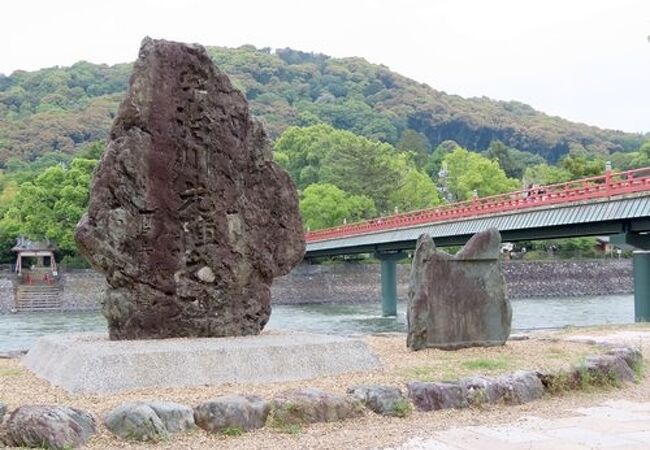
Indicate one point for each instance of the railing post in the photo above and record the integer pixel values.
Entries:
(608, 177)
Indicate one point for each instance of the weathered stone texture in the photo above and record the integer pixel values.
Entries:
(50, 426)
(384, 400)
(310, 405)
(232, 411)
(149, 421)
(435, 396)
(136, 421)
(458, 301)
(189, 217)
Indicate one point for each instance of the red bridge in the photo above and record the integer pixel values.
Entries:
(614, 204)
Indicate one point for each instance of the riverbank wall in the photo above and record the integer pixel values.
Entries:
(360, 283)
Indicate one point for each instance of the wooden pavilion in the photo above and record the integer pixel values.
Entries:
(43, 266)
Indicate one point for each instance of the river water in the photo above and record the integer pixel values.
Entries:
(18, 331)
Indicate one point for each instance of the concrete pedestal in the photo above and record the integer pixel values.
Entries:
(90, 363)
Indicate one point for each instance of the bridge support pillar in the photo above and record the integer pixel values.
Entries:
(641, 270)
(389, 282)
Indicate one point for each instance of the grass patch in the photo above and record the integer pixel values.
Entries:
(561, 382)
(589, 380)
(637, 370)
(580, 379)
(232, 431)
(422, 373)
(485, 364)
(5, 372)
(402, 408)
(287, 418)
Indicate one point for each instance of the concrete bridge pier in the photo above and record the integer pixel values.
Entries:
(389, 282)
(640, 270)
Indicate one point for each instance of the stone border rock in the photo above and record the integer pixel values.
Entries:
(49, 426)
(289, 411)
(149, 421)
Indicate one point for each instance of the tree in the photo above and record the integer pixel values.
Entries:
(366, 168)
(355, 164)
(469, 172)
(581, 166)
(300, 151)
(325, 205)
(434, 161)
(50, 205)
(512, 161)
(412, 141)
(545, 174)
(417, 191)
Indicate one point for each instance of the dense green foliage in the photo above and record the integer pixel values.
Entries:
(62, 108)
(470, 174)
(45, 199)
(346, 168)
(358, 140)
(325, 205)
(58, 109)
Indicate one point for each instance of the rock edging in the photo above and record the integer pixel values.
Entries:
(66, 427)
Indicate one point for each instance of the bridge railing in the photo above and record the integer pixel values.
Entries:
(603, 186)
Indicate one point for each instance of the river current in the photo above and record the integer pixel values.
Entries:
(18, 331)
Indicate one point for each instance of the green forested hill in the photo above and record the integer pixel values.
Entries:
(61, 109)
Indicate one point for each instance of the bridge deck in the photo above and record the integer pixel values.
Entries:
(611, 204)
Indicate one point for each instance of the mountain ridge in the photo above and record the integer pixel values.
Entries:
(63, 108)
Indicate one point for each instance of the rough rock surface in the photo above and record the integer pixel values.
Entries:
(55, 427)
(435, 396)
(311, 405)
(189, 217)
(458, 301)
(3, 411)
(480, 390)
(384, 400)
(631, 355)
(232, 411)
(520, 387)
(613, 367)
(149, 421)
(176, 417)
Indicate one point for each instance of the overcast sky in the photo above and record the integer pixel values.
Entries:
(585, 60)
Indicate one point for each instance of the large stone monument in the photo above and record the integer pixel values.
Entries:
(458, 301)
(189, 217)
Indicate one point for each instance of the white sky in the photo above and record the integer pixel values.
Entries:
(585, 60)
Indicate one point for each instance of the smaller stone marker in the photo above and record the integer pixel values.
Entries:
(458, 301)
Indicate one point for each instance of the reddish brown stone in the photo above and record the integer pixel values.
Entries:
(189, 217)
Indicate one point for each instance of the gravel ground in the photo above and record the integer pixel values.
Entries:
(544, 350)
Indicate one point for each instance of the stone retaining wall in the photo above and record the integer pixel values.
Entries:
(359, 283)
(526, 279)
(7, 291)
(82, 290)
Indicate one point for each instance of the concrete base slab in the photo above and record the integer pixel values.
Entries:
(90, 363)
